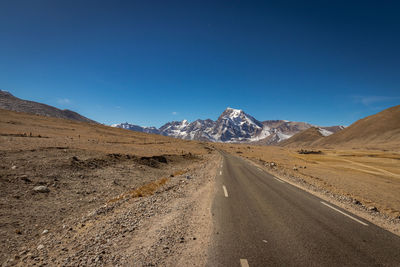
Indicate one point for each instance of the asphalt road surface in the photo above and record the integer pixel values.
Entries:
(260, 220)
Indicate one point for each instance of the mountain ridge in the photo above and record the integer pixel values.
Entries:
(10, 102)
(232, 126)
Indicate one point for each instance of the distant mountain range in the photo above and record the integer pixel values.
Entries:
(232, 126)
(10, 102)
(381, 130)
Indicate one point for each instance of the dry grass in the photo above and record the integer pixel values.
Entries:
(143, 191)
(16, 128)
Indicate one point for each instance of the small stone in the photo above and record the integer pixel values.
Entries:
(23, 252)
(13, 167)
(188, 177)
(25, 179)
(41, 189)
(40, 247)
(372, 208)
(295, 168)
(355, 201)
(45, 232)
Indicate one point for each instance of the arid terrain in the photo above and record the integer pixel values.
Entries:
(78, 194)
(81, 194)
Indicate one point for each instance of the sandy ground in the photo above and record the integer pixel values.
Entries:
(365, 181)
(113, 197)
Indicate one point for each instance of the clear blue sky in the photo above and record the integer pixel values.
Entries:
(148, 62)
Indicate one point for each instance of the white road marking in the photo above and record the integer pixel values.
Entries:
(244, 263)
(345, 214)
(279, 180)
(225, 191)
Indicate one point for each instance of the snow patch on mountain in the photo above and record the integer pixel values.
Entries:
(232, 126)
(324, 132)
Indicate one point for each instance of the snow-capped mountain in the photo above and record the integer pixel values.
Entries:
(233, 126)
(236, 126)
(137, 128)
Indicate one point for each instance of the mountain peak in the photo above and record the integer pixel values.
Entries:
(234, 112)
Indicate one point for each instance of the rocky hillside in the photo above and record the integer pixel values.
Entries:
(10, 102)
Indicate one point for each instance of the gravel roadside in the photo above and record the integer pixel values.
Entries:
(171, 226)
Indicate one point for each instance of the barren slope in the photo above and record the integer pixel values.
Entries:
(303, 139)
(375, 131)
(10, 102)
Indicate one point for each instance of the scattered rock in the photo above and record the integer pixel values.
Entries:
(355, 201)
(295, 168)
(41, 189)
(13, 167)
(373, 208)
(45, 232)
(272, 164)
(40, 247)
(188, 177)
(25, 179)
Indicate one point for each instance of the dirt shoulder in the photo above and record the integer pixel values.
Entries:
(160, 222)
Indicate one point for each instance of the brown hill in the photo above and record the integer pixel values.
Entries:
(10, 102)
(303, 138)
(381, 130)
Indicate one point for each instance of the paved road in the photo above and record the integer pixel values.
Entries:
(260, 220)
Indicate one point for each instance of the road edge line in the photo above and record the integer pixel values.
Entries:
(345, 214)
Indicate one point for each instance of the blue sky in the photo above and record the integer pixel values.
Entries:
(149, 62)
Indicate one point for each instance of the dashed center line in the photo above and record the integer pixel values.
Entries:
(225, 191)
(345, 214)
(244, 263)
(279, 180)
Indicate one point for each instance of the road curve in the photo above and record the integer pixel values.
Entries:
(260, 220)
